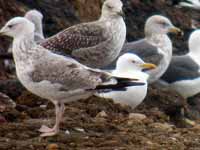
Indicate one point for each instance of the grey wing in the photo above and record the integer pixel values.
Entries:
(181, 68)
(67, 73)
(80, 36)
(144, 50)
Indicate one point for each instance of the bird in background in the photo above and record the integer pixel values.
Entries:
(130, 65)
(183, 74)
(155, 47)
(95, 44)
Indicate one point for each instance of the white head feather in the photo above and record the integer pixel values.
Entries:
(158, 24)
(18, 26)
(112, 8)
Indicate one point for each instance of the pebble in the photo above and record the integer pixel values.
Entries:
(101, 114)
(79, 129)
(162, 126)
(67, 132)
(190, 122)
(52, 147)
(137, 116)
(43, 106)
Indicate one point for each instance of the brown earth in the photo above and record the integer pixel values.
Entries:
(98, 123)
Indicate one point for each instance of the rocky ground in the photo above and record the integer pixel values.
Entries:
(164, 121)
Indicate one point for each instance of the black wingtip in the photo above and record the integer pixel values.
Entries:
(122, 79)
(120, 86)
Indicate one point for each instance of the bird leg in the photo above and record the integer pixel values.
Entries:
(46, 131)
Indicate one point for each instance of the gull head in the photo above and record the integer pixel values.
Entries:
(16, 27)
(130, 61)
(112, 8)
(194, 41)
(160, 25)
(34, 16)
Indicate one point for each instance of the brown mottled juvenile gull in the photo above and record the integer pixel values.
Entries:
(55, 77)
(155, 48)
(183, 74)
(95, 44)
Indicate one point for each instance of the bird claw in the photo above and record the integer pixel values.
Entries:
(45, 129)
(48, 134)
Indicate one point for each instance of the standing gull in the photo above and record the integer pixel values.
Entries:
(95, 44)
(183, 74)
(156, 47)
(130, 65)
(55, 77)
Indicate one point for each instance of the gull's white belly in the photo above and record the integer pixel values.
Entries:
(133, 96)
(187, 88)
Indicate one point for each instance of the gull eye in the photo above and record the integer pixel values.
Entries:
(110, 7)
(10, 26)
(164, 24)
(133, 61)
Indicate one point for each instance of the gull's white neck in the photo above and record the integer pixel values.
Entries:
(157, 39)
(39, 30)
(108, 17)
(22, 45)
(161, 41)
(164, 45)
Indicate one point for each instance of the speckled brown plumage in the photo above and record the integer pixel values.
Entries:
(74, 38)
(95, 44)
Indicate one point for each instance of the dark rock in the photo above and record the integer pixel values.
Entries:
(194, 105)
(12, 87)
(2, 120)
(164, 100)
(6, 103)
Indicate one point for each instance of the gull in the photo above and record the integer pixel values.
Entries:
(131, 66)
(183, 74)
(55, 77)
(95, 44)
(195, 4)
(155, 47)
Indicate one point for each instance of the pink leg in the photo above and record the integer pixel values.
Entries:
(46, 131)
